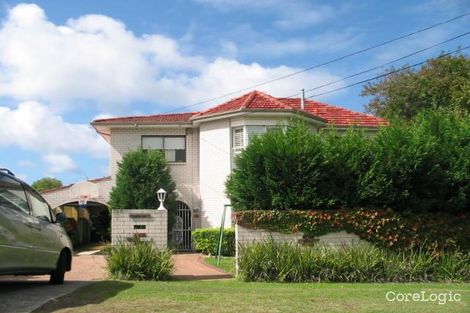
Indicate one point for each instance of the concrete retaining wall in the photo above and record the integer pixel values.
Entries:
(145, 224)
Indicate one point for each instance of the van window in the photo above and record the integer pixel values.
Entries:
(39, 207)
(12, 195)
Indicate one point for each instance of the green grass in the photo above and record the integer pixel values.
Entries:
(226, 263)
(236, 296)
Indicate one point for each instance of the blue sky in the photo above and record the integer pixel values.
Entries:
(62, 64)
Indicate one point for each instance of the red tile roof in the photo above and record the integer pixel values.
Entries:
(336, 115)
(257, 101)
(159, 118)
(253, 100)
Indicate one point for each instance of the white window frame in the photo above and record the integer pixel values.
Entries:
(167, 150)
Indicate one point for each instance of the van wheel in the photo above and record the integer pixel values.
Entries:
(57, 275)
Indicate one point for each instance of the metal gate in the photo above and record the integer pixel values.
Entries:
(181, 239)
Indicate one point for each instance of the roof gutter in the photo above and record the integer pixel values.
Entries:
(240, 112)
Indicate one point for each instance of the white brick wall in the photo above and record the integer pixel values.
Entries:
(339, 239)
(154, 221)
(185, 175)
(214, 167)
(247, 236)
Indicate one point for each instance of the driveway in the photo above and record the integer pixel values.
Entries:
(23, 294)
(20, 294)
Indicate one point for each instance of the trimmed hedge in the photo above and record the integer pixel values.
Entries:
(297, 169)
(270, 261)
(385, 228)
(207, 241)
(422, 166)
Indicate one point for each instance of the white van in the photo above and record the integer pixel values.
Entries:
(32, 241)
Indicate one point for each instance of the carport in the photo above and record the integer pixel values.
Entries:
(85, 205)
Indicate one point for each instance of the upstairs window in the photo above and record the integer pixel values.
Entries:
(241, 136)
(237, 141)
(259, 130)
(174, 147)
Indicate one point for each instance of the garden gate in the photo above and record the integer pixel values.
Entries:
(181, 234)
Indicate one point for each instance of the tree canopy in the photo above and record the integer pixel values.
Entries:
(46, 183)
(443, 82)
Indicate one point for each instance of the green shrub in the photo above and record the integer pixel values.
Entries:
(420, 166)
(432, 231)
(139, 260)
(141, 174)
(207, 241)
(298, 169)
(423, 166)
(270, 261)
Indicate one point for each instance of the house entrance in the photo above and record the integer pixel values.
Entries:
(181, 234)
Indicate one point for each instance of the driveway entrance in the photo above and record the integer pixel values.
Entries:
(20, 294)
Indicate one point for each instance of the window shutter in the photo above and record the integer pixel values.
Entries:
(238, 138)
(152, 143)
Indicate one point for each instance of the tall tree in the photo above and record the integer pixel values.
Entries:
(46, 183)
(442, 82)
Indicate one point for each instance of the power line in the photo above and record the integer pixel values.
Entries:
(382, 65)
(322, 64)
(386, 74)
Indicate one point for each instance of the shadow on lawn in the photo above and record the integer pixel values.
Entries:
(94, 293)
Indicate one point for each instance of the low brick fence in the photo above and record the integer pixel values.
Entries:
(144, 224)
(247, 236)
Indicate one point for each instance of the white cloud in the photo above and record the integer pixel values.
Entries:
(33, 126)
(96, 58)
(60, 163)
(225, 75)
(92, 57)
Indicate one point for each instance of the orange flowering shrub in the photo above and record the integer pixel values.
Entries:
(385, 228)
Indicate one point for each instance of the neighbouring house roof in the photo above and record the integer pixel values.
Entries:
(95, 180)
(255, 101)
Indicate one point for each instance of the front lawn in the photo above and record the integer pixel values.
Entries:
(236, 296)
(227, 263)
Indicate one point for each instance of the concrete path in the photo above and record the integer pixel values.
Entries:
(191, 266)
(23, 294)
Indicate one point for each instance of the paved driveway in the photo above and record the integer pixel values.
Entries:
(23, 294)
(20, 294)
